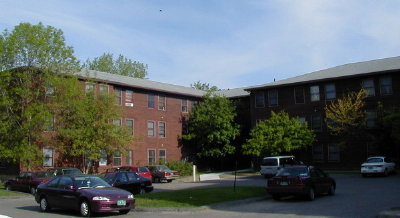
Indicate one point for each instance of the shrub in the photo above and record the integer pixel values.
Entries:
(183, 167)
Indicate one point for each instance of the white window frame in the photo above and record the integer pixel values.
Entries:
(129, 158)
(128, 96)
(117, 156)
(151, 104)
(103, 91)
(184, 103)
(153, 129)
(148, 156)
(162, 134)
(103, 158)
(162, 105)
(132, 128)
(118, 95)
(164, 158)
(48, 157)
(314, 93)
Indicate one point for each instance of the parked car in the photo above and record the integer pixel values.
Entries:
(302, 181)
(378, 165)
(162, 173)
(85, 193)
(26, 181)
(271, 165)
(141, 170)
(130, 181)
(52, 172)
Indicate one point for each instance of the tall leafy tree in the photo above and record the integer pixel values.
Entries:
(121, 65)
(204, 86)
(346, 118)
(277, 135)
(84, 122)
(29, 56)
(212, 128)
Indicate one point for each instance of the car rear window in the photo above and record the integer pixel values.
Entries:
(143, 170)
(269, 162)
(71, 171)
(374, 160)
(298, 171)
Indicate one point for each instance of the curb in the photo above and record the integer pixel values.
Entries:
(201, 208)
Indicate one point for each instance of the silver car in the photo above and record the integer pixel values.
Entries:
(377, 165)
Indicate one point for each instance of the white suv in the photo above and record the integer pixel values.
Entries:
(271, 165)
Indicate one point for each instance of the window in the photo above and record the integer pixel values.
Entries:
(302, 119)
(330, 91)
(162, 103)
(316, 123)
(64, 182)
(150, 100)
(49, 125)
(89, 88)
(48, 157)
(130, 125)
(162, 156)
(318, 152)
(152, 157)
(103, 89)
(129, 158)
(314, 93)
(129, 98)
(333, 152)
(117, 158)
(194, 104)
(273, 97)
(117, 122)
(260, 99)
(299, 95)
(368, 86)
(386, 85)
(150, 128)
(50, 91)
(118, 96)
(103, 158)
(161, 129)
(371, 118)
(184, 105)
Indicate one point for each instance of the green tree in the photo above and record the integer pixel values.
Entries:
(84, 122)
(345, 117)
(204, 86)
(278, 134)
(23, 113)
(212, 128)
(121, 66)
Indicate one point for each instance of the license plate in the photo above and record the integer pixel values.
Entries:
(121, 202)
(284, 183)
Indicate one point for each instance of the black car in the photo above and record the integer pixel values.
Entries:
(304, 181)
(130, 181)
(52, 172)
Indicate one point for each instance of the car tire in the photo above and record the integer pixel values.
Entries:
(142, 191)
(9, 187)
(332, 190)
(124, 211)
(44, 204)
(311, 194)
(169, 180)
(84, 209)
(276, 197)
(32, 190)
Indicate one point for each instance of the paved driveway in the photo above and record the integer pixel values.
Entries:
(355, 197)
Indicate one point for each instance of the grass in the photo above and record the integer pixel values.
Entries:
(4, 192)
(197, 197)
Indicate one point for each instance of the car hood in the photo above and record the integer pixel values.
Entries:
(109, 191)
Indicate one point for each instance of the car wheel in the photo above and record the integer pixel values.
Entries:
(169, 180)
(386, 173)
(44, 205)
(142, 191)
(84, 209)
(332, 190)
(124, 211)
(311, 194)
(276, 197)
(8, 187)
(32, 190)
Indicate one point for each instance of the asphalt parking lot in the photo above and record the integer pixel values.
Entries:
(355, 197)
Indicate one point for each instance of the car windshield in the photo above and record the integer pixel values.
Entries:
(297, 171)
(40, 174)
(90, 182)
(269, 162)
(143, 170)
(374, 160)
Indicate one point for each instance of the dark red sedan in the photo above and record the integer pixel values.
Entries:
(300, 180)
(27, 181)
(85, 193)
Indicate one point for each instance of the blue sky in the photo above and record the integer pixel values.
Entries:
(227, 43)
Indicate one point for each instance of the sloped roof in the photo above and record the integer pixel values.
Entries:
(233, 93)
(342, 71)
(139, 83)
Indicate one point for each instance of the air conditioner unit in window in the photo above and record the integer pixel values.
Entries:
(129, 104)
(161, 108)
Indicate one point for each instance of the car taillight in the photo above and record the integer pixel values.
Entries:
(167, 174)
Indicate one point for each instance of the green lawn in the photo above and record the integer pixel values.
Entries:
(197, 197)
(4, 192)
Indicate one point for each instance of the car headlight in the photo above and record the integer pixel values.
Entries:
(131, 197)
(100, 198)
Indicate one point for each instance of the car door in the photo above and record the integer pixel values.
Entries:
(25, 182)
(121, 181)
(316, 180)
(325, 181)
(51, 192)
(19, 181)
(66, 196)
(134, 182)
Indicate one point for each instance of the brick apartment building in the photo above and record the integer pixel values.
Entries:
(305, 97)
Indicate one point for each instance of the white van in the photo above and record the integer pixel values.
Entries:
(271, 165)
